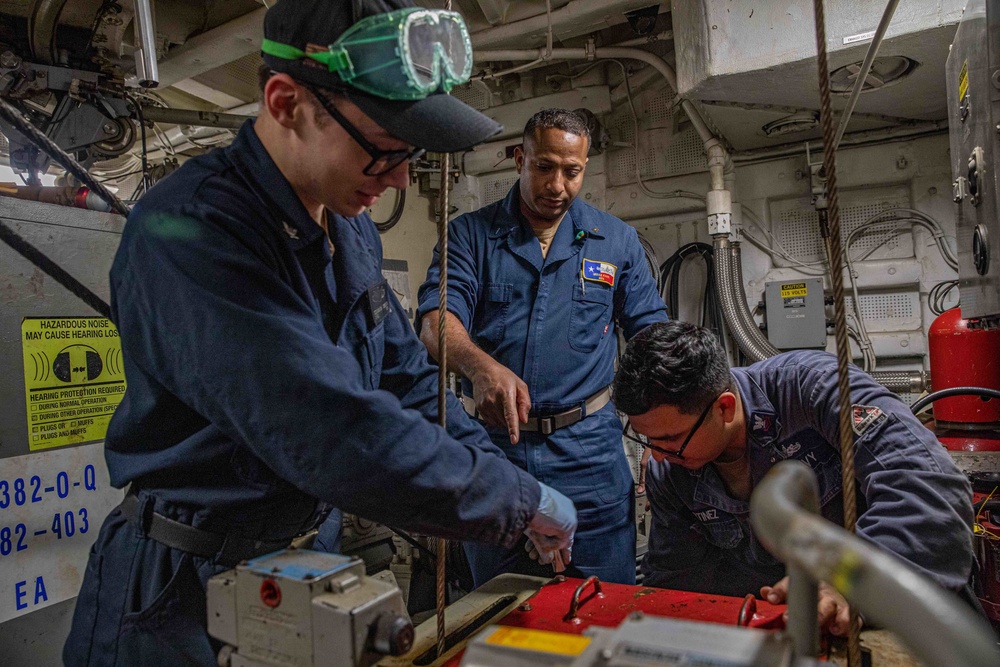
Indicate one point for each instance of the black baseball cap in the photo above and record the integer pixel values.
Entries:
(438, 123)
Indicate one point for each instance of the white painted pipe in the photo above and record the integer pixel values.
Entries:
(578, 17)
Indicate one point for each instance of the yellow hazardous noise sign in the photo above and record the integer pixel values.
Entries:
(73, 379)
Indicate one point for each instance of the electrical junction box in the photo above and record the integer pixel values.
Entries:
(973, 80)
(796, 316)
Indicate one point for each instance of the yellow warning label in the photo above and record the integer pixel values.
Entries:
(539, 640)
(793, 289)
(963, 80)
(73, 379)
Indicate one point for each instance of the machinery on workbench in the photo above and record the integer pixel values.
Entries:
(306, 608)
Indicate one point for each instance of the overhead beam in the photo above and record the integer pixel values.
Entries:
(201, 91)
(214, 48)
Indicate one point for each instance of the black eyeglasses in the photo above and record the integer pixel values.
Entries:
(382, 161)
(629, 434)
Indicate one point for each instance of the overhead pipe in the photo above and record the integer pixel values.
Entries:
(193, 117)
(933, 622)
(866, 67)
(853, 139)
(146, 70)
(62, 195)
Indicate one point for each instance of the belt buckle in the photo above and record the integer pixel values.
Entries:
(547, 425)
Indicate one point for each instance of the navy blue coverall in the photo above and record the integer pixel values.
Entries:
(265, 379)
(912, 500)
(554, 325)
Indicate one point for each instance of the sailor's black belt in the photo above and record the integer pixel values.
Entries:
(224, 549)
(548, 424)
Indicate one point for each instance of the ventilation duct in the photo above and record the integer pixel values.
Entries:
(765, 52)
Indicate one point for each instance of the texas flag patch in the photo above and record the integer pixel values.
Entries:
(599, 272)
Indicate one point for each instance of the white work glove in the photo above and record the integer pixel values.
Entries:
(558, 563)
(552, 527)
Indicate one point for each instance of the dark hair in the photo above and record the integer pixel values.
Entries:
(322, 118)
(560, 119)
(264, 73)
(671, 363)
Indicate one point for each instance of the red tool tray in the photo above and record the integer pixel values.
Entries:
(552, 608)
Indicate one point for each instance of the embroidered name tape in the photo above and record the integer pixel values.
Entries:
(599, 272)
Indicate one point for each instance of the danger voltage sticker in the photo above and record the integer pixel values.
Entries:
(863, 417)
(73, 379)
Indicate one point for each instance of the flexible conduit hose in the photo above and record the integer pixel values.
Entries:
(984, 393)
(933, 622)
(734, 306)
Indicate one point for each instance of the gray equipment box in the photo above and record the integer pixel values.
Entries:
(796, 316)
(299, 607)
(639, 641)
(973, 80)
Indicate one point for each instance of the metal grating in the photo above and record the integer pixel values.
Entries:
(648, 164)
(495, 188)
(661, 156)
(245, 68)
(620, 127)
(237, 78)
(686, 154)
(621, 167)
(659, 108)
(889, 311)
(475, 96)
(796, 228)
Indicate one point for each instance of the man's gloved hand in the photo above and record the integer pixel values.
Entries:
(553, 526)
(558, 564)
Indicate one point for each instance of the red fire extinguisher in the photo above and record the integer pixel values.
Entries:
(961, 356)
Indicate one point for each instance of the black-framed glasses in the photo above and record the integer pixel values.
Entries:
(630, 434)
(382, 161)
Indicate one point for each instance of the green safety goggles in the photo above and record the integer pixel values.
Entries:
(405, 54)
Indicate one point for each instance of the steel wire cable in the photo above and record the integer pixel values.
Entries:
(13, 116)
(830, 229)
(442, 545)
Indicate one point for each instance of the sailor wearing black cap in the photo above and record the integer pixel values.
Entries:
(271, 371)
